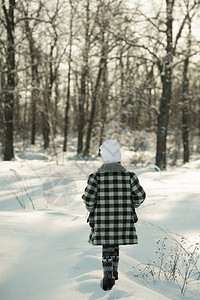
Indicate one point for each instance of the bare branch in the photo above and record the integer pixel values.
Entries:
(133, 44)
(5, 13)
(183, 24)
(182, 60)
(150, 20)
(31, 18)
(133, 56)
(152, 107)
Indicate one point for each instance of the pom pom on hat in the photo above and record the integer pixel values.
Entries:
(110, 151)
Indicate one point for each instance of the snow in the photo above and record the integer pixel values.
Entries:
(44, 252)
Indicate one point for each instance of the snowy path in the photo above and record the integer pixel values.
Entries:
(46, 257)
(45, 254)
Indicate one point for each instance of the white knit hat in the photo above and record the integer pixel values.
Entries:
(110, 151)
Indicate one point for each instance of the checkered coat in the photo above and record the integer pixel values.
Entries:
(111, 196)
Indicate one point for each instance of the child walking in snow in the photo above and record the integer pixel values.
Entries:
(111, 196)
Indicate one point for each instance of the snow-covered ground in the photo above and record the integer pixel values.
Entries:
(45, 254)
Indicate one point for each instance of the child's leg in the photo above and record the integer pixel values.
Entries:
(116, 262)
(107, 261)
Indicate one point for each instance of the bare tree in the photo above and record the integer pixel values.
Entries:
(102, 19)
(185, 88)
(35, 80)
(53, 62)
(10, 84)
(94, 100)
(166, 67)
(84, 78)
(67, 105)
(185, 100)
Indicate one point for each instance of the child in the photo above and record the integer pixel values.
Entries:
(111, 196)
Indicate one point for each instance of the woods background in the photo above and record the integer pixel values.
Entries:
(72, 68)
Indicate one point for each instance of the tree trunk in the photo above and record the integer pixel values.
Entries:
(10, 86)
(199, 119)
(35, 82)
(150, 79)
(2, 100)
(166, 78)
(185, 100)
(104, 101)
(84, 77)
(92, 113)
(163, 118)
(34, 93)
(45, 118)
(66, 125)
(46, 114)
(185, 114)
(33, 119)
(57, 93)
(122, 83)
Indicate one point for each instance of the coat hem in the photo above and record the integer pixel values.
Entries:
(109, 244)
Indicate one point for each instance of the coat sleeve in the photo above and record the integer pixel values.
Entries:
(90, 195)
(137, 192)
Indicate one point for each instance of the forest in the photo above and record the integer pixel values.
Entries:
(71, 68)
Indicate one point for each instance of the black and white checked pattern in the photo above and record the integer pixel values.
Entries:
(111, 194)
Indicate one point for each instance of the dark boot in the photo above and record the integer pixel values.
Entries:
(115, 274)
(108, 283)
